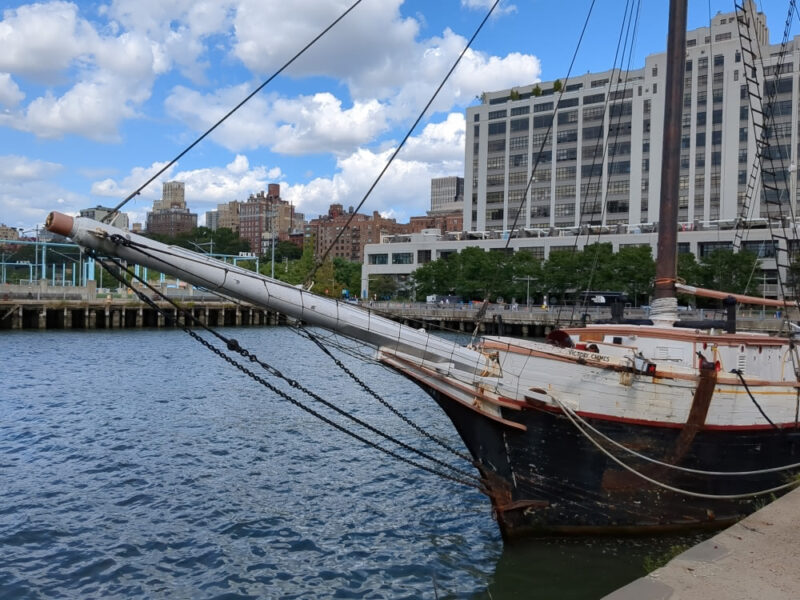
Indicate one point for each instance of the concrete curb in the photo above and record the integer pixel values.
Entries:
(757, 558)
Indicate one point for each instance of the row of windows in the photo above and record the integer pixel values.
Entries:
(398, 258)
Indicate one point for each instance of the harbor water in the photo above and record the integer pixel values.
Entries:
(138, 463)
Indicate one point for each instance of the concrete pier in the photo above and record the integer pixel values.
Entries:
(758, 558)
(45, 307)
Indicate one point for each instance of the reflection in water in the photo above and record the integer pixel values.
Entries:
(578, 568)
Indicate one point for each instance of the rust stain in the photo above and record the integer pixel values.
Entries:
(698, 413)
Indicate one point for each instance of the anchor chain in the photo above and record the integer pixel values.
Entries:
(233, 345)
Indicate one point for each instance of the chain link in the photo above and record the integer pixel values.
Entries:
(382, 400)
(233, 345)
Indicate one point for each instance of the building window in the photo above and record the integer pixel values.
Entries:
(565, 210)
(567, 154)
(519, 124)
(496, 162)
(378, 259)
(518, 143)
(402, 258)
(497, 128)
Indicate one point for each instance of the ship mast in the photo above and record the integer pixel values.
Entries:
(667, 257)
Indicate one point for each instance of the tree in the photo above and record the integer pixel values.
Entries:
(559, 273)
(688, 269)
(349, 275)
(514, 94)
(435, 277)
(225, 241)
(557, 85)
(383, 287)
(634, 270)
(287, 250)
(536, 91)
(729, 271)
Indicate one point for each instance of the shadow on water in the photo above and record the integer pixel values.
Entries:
(578, 568)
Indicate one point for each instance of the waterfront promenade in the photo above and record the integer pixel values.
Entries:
(759, 557)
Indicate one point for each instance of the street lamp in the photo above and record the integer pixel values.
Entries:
(527, 279)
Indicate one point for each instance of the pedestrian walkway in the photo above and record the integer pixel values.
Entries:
(756, 559)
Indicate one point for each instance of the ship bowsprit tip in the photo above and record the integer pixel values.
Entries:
(59, 223)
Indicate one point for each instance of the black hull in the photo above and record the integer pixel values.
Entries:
(550, 479)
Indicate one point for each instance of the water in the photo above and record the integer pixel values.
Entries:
(137, 463)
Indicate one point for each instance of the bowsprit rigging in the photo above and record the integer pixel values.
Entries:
(440, 468)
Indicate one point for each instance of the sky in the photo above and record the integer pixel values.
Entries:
(97, 96)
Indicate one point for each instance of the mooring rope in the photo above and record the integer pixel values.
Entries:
(655, 461)
(568, 413)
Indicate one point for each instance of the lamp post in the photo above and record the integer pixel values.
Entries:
(528, 280)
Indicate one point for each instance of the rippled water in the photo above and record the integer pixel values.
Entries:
(137, 463)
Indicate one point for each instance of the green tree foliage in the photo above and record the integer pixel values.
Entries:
(475, 274)
(297, 271)
(348, 275)
(634, 271)
(383, 287)
(727, 271)
(225, 241)
(689, 269)
(287, 250)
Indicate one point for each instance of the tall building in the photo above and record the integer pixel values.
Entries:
(361, 230)
(447, 194)
(594, 163)
(264, 217)
(98, 213)
(212, 219)
(8, 233)
(170, 215)
(596, 159)
(229, 215)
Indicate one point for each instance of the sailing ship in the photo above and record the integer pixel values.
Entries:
(609, 427)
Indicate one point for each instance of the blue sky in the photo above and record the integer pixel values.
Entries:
(96, 96)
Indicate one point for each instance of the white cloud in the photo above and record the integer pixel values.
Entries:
(10, 94)
(22, 168)
(504, 7)
(205, 188)
(111, 76)
(410, 81)
(303, 125)
(110, 188)
(28, 191)
(42, 40)
(176, 29)
(365, 39)
(404, 191)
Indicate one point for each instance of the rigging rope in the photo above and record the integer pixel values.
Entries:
(569, 414)
(549, 127)
(109, 216)
(749, 393)
(394, 154)
(232, 345)
(655, 461)
(377, 397)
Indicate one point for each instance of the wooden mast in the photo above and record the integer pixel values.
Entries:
(667, 258)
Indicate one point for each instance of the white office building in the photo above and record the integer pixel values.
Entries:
(549, 165)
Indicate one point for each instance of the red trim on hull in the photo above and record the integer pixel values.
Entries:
(531, 403)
